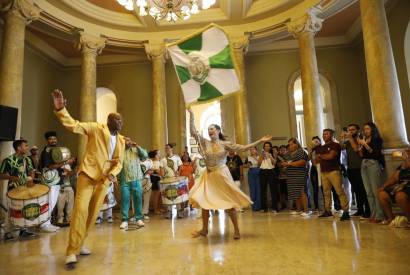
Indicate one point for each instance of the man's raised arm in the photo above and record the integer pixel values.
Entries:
(75, 126)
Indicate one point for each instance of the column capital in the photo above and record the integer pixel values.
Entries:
(155, 50)
(240, 42)
(307, 23)
(24, 9)
(88, 43)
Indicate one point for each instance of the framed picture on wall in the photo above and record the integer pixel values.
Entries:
(194, 150)
(192, 141)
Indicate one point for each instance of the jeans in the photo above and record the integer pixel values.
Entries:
(355, 178)
(372, 180)
(127, 189)
(254, 188)
(315, 184)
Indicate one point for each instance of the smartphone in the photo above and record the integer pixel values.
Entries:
(360, 135)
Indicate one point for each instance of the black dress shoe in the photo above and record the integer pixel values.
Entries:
(24, 234)
(326, 214)
(8, 237)
(357, 214)
(345, 216)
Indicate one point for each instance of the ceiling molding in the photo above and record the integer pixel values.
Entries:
(103, 15)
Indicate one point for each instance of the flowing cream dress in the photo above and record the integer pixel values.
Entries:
(216, 189)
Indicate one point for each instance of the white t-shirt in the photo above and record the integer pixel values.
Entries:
(171, 164)
(253, 162)
(146, 165)
(113, 143)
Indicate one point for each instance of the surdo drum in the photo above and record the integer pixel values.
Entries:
(29, 206)
(174, 190)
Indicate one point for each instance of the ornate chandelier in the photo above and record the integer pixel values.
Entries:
(171, 10)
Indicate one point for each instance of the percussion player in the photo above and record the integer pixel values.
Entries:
(170, 167)
(131, 181)
(101, 163)
(18, 170)
(47, 162)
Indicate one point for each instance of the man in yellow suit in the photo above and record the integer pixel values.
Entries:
(102, 162)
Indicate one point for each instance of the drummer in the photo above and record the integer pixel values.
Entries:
(131, 179)
(47, 162)
(18, 170)
(171, 166)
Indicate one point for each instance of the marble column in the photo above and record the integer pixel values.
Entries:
(17, 14)
(156, 52)
(382, 78)
(90, 47)
(304, 29)
(182, 122)
(242, 128)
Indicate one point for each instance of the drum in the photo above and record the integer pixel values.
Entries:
(109, 200)
(174, 190)
(60, 154)
(29, 206)
(146, 185)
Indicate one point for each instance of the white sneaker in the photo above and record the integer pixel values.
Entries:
(70, 259)
(110, 220)
(84, 251)
(140, 223)
(98, 221)
(48, 229)
(146, 217)
(274, 212)
(306, 214)
(55, 227)
(295, 212)
(124, 225)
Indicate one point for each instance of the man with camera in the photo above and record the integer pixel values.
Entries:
(354, 164)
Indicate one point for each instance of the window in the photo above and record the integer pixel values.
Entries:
(106, 104)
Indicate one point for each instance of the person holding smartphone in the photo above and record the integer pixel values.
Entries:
(370, 149)
(267, 162)
(354, 165)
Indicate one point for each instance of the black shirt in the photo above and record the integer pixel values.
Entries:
(376, 144)
(234, 164)
(46, 160)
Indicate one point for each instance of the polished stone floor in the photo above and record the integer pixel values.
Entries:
(270, 244)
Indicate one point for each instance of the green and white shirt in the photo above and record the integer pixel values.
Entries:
(17, 166)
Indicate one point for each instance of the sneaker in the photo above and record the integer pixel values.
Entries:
(24, 234)
(84, 251)
(140, 223)
(132, 220)
(274, 212)
(345, 216)
(124, 225)
(146, 217)
(48, 229)
(326, 214)
(306, 214)
(110, 220)
(55, 227)
(99, 220)
(8, 237)
(295, 212)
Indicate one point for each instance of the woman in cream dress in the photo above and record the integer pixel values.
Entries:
(216, 188)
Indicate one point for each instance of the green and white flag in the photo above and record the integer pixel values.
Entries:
(205, 65)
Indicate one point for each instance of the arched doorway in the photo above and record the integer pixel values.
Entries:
(106, 103)
(205, 115)
(331, 116)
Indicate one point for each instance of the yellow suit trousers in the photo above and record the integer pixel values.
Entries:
(88, 201)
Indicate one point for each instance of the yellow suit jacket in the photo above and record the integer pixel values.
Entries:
(95, 163)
